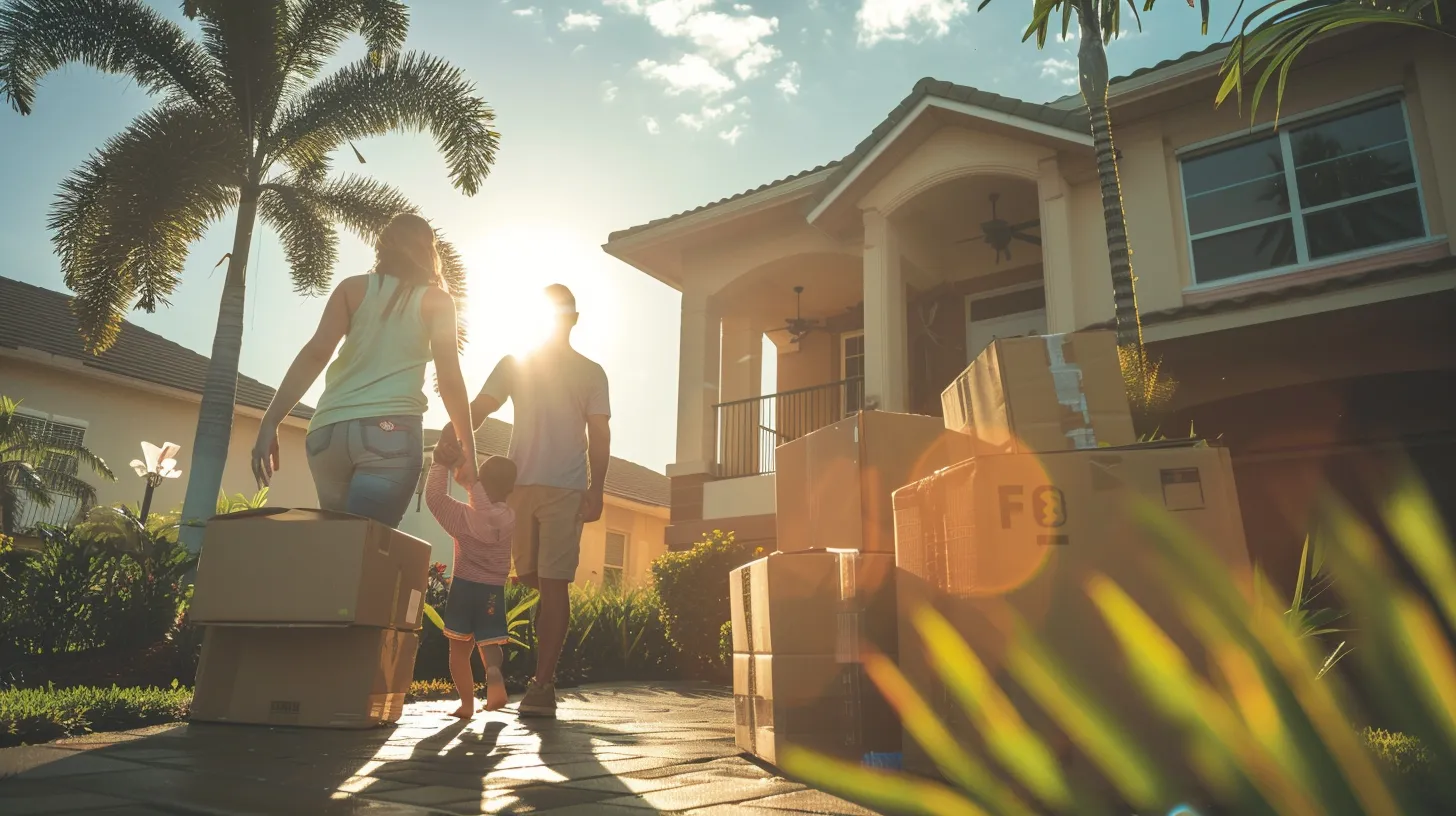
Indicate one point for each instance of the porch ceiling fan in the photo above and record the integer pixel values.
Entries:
(797, 326)
(999, 233)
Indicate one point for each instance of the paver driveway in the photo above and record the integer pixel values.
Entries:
(619, 749)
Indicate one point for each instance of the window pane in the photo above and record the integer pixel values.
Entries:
(616, 554)
(1347, 135)
(1239, 204)
(1255, 249)
(1370, 223)
(1367, 171)
(1239, 164)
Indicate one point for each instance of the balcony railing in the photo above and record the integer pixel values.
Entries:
(749, 430)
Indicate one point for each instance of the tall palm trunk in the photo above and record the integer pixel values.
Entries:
(219, 393)
(1093, 82)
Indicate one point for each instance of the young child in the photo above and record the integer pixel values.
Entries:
(475, 612)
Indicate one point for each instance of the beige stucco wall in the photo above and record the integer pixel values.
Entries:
(645, 528)
(119, 418)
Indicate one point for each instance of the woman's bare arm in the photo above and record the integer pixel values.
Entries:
(439, 313)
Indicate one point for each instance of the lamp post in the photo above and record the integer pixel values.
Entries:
(155, 465)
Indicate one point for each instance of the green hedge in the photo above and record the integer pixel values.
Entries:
(693, 586)
(29, 716)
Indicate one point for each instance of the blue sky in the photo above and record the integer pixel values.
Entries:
(611, 114)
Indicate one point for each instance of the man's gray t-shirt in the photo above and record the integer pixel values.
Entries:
(554, 390)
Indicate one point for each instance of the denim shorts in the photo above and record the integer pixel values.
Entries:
(476, 611)
(368, 467)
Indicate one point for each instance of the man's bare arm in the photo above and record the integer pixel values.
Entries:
(599, 455)
(480, 409)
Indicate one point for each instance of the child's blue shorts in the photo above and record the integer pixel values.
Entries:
(476, 611)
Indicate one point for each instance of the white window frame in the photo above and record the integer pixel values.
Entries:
(844, 338)
(999, 291)
(1346, 107)
(622, 567)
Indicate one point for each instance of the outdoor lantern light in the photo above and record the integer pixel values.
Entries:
(155, 465)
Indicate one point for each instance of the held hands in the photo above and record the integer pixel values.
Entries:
(465, 473)
(265, 455)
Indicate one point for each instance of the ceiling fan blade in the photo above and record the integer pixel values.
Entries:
(1030, 239)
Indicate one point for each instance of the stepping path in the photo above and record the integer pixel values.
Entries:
(619, 750)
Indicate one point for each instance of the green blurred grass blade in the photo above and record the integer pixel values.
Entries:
(1164, 673)
(880, 789)
(434, 617)
(1011, 741)
(1421, 535)
(1429, 656)
(1098, 734)
(925, 728)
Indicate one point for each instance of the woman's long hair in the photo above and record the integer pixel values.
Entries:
(406, 251)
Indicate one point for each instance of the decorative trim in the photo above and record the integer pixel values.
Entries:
(1428, 249)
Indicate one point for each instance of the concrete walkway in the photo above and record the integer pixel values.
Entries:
(620, 749)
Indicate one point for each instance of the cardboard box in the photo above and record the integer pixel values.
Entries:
(320, 677)
(279, 566)
(814, 602)
(1041, 394)
(1022, 533)
(810, 701)
(833, 486)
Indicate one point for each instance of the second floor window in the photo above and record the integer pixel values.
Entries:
(1340, 185)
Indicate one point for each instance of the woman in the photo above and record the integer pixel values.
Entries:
(365, 445)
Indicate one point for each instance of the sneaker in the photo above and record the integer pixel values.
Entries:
(539, 701)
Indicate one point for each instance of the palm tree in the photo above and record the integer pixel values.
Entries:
(1280, 32)
(36, 468)
(239, 125)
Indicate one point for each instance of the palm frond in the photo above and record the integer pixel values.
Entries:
(360, 204)
(242, 41)
(123, 223)
(114, 36)
(307, 235)
(409, 92)
(1276, 34)
(314, 30)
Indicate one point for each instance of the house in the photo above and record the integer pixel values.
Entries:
(1298, 282)
(617, 549)
(144, 388)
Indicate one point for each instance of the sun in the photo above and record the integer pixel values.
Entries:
(507, 310)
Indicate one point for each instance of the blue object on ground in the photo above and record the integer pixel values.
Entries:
(893, 761)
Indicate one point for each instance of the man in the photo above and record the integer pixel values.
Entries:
(561, 445)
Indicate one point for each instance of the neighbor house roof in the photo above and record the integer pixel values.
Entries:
(625, 480)
(32, 317)
(1054, 114)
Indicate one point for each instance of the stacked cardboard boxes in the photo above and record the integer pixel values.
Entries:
(801, 621)
(1046, 502)
(311, 619)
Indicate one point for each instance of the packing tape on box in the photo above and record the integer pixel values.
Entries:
(1067, 380)
(752, 692)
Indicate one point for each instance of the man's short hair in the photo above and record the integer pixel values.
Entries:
(498, 477)
(561, 298)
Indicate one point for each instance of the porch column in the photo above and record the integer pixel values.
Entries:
(1058, 278)
(742, 360)
(886, 360)
(697, 386)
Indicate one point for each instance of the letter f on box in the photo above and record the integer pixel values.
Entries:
(1008, 496)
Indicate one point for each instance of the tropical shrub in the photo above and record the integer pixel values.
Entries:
(29, 716)
(1265, 735)
(693, 585)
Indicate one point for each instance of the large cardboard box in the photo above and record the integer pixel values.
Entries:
(319, 677)
(1023, 532)
(282, 566)
(810, 701)
(814, 602)
(1041, 394)
(833, 486)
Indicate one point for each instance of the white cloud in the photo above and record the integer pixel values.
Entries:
(690, 73)
(725, 43)
(743, 8)
(579, 20)
(906, 19)
(788, 84)
(731, 135)
(1062, 70)
(652, 126)
(708, 114)
(609, 92)
(526, 12)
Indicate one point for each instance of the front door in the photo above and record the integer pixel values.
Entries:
(980, 333)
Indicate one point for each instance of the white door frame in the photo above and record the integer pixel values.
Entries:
(998, 292)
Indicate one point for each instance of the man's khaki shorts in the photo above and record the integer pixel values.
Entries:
(548, 531)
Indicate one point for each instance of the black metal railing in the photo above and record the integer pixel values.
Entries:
(750, 429)
(65, 509)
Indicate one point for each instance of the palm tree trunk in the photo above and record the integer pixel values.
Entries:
(215, 417)
(1093, 81)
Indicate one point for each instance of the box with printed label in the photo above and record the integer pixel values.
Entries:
(1022, 533)
(319, 677)
(833, 486)
(1042, 393)
(814, 602)
(809, 701)
(283, 567)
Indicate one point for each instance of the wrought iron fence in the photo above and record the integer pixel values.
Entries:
(64, 509)
(750, 429)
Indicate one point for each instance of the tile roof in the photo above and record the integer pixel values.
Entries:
(1299, 290)
(1053, 114)
(626, 480)
(32, 317)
